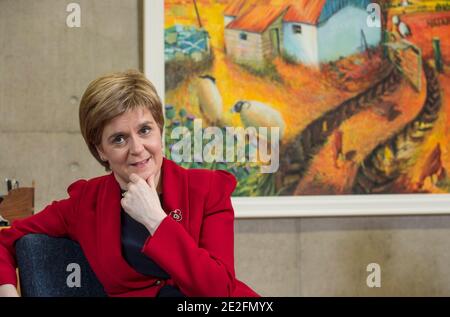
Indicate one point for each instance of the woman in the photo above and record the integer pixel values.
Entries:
(149, 228)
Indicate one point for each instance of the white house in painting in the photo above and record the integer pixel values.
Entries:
(317, 31)
(311, 31)
(256, 35)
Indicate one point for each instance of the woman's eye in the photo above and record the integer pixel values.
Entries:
(118, 139)
(146, 130)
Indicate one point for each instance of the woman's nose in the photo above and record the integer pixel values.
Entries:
(136, 145)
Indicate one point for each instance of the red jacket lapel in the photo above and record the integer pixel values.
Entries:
(175, 191)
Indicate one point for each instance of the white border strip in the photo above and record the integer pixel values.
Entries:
(351, 205)
(154, 48)
(292, 206)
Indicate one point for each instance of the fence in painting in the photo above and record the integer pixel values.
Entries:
(407, 57)
(185, 42)
(392, 158)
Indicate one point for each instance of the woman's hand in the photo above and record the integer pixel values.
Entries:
(142, 203)
(8, 290)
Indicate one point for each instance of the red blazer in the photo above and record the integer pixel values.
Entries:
(197, 251)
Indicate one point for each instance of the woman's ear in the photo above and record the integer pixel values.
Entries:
(101, 153)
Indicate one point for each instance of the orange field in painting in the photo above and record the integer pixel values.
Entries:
(428, 25)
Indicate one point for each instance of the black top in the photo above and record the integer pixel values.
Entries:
(133, 236)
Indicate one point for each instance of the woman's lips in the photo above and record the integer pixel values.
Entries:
(141, 163)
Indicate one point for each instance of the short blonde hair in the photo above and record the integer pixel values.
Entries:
(110, 96)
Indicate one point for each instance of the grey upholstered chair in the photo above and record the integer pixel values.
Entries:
(46, 264)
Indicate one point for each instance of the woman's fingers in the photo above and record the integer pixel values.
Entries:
(151, 181)
(136, 181)
(134, 178)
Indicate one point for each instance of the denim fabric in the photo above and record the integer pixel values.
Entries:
(44, 268)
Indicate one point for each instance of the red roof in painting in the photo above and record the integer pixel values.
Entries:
(234, 7)
(305, 11)
(258, 19)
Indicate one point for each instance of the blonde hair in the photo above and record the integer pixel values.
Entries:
(110, 96)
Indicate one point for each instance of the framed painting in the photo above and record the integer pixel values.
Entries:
(318, 107)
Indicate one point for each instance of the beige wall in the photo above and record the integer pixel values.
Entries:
(44, 68)
(329, 256)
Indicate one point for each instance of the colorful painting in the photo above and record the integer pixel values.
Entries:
(335, 97)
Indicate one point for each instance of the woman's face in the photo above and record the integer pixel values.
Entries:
(132, 143)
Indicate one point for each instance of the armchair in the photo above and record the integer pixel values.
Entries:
(44, 265)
